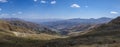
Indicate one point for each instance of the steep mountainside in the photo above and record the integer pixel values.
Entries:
(112, 27)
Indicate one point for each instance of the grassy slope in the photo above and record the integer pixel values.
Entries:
(36, 28)
(9, 39)
(24, 37)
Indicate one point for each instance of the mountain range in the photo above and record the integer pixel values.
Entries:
(20, 33)
(75, 24)
(105, 35)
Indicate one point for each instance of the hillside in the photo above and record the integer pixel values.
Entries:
(4, 25)
(106, 35)
(10, 39)
(20, 35)
(26, 29)
(36, 28)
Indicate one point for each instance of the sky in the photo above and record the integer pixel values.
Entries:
(59, 9)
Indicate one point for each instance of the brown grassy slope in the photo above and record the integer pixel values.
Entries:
(37, 28)
(24, 37)
(22, 29)
(7, 26)
(8, 39)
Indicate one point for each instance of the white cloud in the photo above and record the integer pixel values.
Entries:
(42, 1)
(75, 6)
(3, 1)
(53, 2)
(114, 12)
(35, 0)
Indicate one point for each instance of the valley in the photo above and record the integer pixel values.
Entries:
(20, 33)
(59, 23)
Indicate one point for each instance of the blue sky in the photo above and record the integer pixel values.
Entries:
(61, 9)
